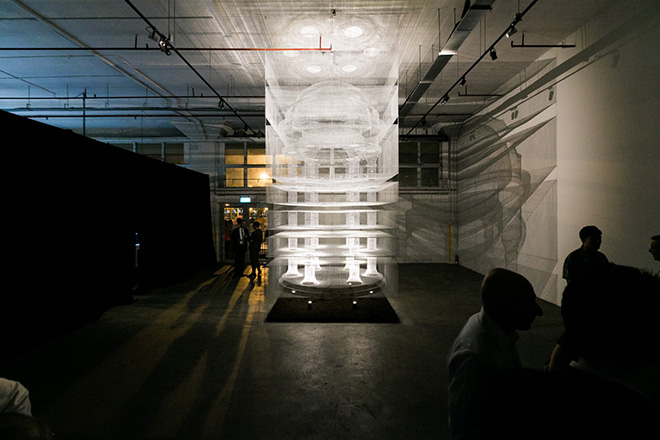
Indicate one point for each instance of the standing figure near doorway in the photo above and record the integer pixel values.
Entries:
(228, 249)
(256, 239)
(239, 241)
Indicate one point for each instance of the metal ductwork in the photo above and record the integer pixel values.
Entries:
(470, 19)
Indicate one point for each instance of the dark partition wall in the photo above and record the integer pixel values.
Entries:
(71, 208)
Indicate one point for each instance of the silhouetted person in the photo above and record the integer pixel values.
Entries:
(612, 389)
(239, 240)
(15, 426)
(587, 258)
(580, 263)
(655, 247)
(228, 230)
(486, 346)
(14, 398)
(256, 238)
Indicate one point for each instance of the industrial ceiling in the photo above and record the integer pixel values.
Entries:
(129, 69)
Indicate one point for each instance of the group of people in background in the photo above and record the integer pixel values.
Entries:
(243, 241)
(602, 379)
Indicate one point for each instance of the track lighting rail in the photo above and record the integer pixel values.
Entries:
(166, 45)
(489, 50)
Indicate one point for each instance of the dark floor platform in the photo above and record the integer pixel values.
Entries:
(367, 310)
(199, 360)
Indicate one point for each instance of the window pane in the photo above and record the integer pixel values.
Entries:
(256, 154)
(127, 147)
(429, 152)
(234, 177)
(259, 177)
(408, 153)
(430, 177)
(234, 154)
(174, 153)
(407, 176)
(150, 150)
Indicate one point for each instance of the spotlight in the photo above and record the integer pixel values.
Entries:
(221, 104)
(423, 121)
(493, 54)
(512, 30)
(163, 43)
(551, 93)
(444, 99)
(463, 81)
(152, 34)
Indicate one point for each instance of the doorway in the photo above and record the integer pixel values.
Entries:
(250, 213)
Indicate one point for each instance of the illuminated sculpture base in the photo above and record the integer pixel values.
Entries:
(332, 283)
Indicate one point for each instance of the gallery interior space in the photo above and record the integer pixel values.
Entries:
(393, 152)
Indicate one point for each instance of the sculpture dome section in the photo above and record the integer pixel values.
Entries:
(331, 114)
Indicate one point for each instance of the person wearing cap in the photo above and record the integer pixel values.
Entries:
(486, 346)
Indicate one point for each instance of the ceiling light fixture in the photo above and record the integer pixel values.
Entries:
(313, 69)
(462, 82)
(512, 30)
(201, 77)
(493, 55)
(349, 68)
(353, 31)
(163, 43)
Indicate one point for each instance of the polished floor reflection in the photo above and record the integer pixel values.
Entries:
(199, 361)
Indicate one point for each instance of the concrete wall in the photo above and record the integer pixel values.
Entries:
(605, 134)
(608, 146)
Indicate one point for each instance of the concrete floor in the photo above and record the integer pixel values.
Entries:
(198, 361)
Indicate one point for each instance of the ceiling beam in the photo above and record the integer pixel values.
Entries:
(462, 29)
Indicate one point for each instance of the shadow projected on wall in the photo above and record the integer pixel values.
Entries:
(506, 204)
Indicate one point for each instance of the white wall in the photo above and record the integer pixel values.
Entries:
(605, 133)
(608, 148)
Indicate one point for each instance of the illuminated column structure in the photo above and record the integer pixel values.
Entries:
(332, 138)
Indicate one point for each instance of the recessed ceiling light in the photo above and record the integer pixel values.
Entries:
(313, 69)
(349, 68)
(309, 31)
(371, 52)
(353, 31)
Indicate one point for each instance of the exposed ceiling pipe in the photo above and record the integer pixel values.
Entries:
(31, 115)
(180, 49)
(167, 44)
(586, 56)
(445, 97)
(151, 85)
(110, 98)
(470, 19)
